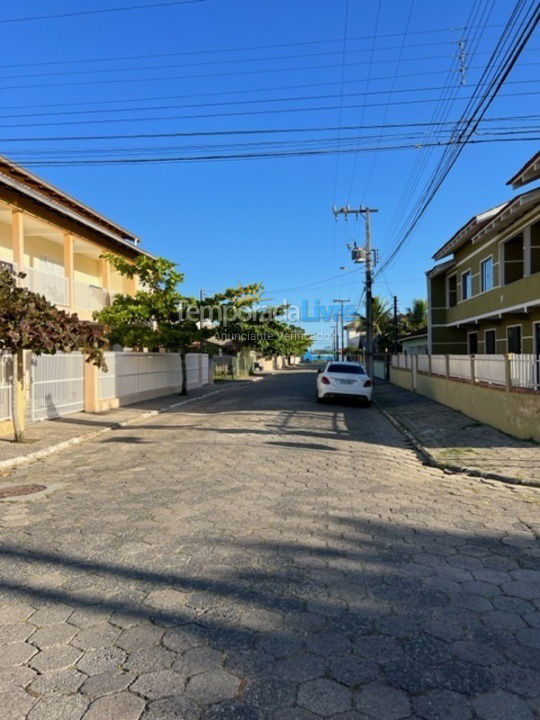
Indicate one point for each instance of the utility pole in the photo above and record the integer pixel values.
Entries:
(358, 255)
(395, 325)
(342, 303)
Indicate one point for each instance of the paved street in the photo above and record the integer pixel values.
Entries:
(256, 555)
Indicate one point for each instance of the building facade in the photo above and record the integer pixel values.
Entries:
(484, 298)
(57, 242)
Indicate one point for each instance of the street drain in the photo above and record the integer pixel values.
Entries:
(17, 490)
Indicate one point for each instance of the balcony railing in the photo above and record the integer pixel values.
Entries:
(90, 297)
(54, 287)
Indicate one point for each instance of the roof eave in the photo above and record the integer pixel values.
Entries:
(118, 237)
(526, 174)
(508, 212)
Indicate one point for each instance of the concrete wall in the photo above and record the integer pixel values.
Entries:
(515, 413)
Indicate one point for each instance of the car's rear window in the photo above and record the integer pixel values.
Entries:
(349, 369)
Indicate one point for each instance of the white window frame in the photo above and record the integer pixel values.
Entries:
(454, 274)
(493, 330)
(473, 332)
(502, 253)
(484, 260)
(520, 326)
(536, 350)
(470, 295)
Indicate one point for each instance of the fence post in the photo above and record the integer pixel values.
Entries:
(447, 365)
(91, 388)
(507, 373)
(473, 369)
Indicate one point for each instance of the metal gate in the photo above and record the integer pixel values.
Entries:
(57, 385)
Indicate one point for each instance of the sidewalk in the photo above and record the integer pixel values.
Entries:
(44, 438)
(457, 442)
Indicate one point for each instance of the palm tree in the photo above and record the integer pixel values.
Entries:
(382, 322)
(416, 316)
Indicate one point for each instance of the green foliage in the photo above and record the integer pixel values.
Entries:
(416, 316)
(382, 323)
(30, 322)
(159, 315)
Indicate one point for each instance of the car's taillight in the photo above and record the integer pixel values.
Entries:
(367, 383)
(325, 380)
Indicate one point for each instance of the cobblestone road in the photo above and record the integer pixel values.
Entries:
(261, 556)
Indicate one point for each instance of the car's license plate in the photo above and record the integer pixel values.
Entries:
(346, 382)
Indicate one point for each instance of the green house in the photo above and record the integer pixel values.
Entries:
(484, 298)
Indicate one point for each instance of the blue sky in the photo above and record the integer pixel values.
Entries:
(268, 220)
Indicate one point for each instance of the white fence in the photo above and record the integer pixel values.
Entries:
(57, 382)
(5, 388)
(149, 374)
(459, 366)
(524, 370)
(490, 369)
(438, 364)
(57, 385)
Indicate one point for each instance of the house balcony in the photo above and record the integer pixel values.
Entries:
(514, 297)
(90, 297)
(54, 287)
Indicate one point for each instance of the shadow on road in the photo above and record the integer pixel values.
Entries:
(377, 602)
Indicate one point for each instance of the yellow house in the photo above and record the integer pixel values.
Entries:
(57, 241)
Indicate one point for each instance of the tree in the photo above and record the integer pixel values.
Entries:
(382, 322)
(416, 316)
(30, 322)
(160, 316)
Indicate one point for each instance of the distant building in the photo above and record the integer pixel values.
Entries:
(415, 343)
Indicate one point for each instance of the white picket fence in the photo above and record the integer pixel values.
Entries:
(57, 385)
(490, 369)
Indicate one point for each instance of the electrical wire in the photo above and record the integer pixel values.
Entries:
(245, 113)
(98, 11)
(260, 155)
(485, 92)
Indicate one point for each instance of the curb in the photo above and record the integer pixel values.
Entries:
(430, 459)
(52, 449)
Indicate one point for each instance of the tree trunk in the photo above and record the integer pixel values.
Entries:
(184, 374)
(18, 432)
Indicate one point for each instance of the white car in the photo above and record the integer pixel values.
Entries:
(344, 379)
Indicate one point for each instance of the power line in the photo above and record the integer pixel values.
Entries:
(198, 76)
(98, 11)
(230, 49)
(227, 92)
(244, 113)
(203, 63)
(260, 155)
(258, 131)
(489, 88)
(332, 143)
